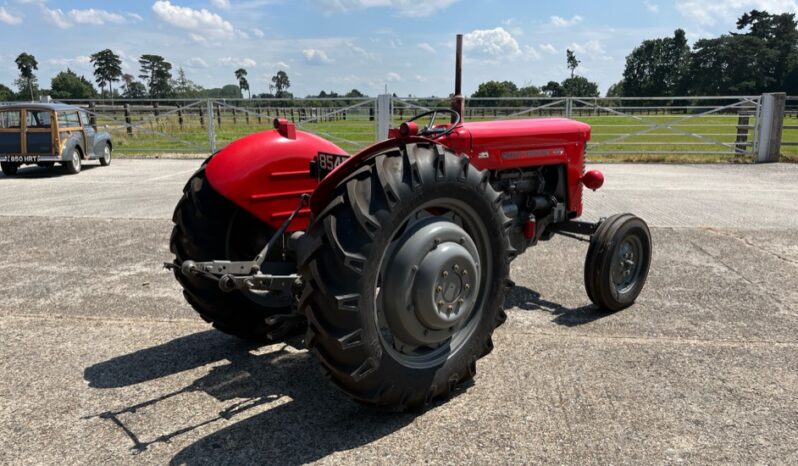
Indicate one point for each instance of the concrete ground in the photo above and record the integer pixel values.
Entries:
(103, 362)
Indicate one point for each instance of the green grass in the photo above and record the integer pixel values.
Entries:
(657, 145)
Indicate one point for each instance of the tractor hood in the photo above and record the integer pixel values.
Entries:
(539, 132)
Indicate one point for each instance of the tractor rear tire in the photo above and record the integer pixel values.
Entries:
(617, 262)
(385, 263)
(9, 169)
(203, 221)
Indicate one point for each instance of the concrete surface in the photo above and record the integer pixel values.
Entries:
(103, 362)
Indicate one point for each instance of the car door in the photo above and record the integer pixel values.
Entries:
(10, 132)
(38, 132)
(89, 132)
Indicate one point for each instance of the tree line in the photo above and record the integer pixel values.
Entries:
(155, 80)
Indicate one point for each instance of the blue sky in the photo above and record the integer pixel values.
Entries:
(338, 45)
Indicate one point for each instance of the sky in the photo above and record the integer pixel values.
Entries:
(338, 45)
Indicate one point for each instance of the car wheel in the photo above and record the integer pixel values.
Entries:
(74, 164)
(9, 169)
(105, 160)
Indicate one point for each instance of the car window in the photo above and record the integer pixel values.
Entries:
(84, 118)
(38, 119)
(9, 119)
(68, 119)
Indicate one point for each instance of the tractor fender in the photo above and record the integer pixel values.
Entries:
(265, 173)
(321, 196)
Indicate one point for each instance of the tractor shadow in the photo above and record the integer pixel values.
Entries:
(300, 416)
(530, 300)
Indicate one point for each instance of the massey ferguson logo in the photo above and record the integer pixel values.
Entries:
(325, 163)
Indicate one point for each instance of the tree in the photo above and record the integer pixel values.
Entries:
(781, 36)
(107, 69)
(127, 79)
(243, 84)
(184, 87)
(281, 83)
(572, 62)
(27, 64)
(156, 72)
(579, 86)
(732, 65)
(135, 90)
(658, 67)
(553, 89)
(68, 85)
(529, 91)
(6, 94)
(354, 93)
(616, 90)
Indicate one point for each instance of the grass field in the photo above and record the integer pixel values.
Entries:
(696, 140)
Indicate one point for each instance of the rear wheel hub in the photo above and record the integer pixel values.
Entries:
(431, 282)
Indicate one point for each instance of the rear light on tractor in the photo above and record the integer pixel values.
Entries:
(529, 229)
(593, 179)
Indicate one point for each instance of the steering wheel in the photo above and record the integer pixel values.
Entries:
(430, 131)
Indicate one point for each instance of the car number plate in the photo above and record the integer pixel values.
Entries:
(19, 158)
(324, 163)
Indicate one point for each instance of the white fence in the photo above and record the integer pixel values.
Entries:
(632, 128)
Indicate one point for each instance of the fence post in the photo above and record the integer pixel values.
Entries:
(769, 122)
(180, 116)
(211, 129)
(128, 123)
(741, 146)
(92, 114)
(384, 111)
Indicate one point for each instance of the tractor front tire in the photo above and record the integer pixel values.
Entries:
(617, 262)
(406, 270)
(203, 221)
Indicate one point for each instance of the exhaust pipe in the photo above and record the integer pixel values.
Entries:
(458, 101)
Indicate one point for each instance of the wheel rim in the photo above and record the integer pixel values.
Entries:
(75, 160)
(627, 264)
(430, 291)
(107, 154)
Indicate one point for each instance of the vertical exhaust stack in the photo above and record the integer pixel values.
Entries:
(458, 101)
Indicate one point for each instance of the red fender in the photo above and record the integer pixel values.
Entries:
(265, 173)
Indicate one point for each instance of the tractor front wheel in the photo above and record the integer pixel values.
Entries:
(209, 227)
(406, 270)
(617, 262)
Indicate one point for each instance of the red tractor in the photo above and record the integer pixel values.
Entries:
(395, 260)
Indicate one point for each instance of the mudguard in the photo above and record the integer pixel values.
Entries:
(265, 173)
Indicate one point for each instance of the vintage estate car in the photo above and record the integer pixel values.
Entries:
(46, 134)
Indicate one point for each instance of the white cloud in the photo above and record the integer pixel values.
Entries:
(200, 22)
(94, 16)
(316, 57)
(56, 17)
(548, 48)
(91, 16)
(134, 16)
(651, 6)
(241, 62)
(531, 53)
(8, 18)
(281, 65)
(392, 77)
(196, 62)
(716, 11)
(493, 43)
(362, 52)
(223, 4)
(406, 8)
(79, 60)
(513, 27)
(257, 32)
(560, 22)
(591, 47)
(426, 47)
